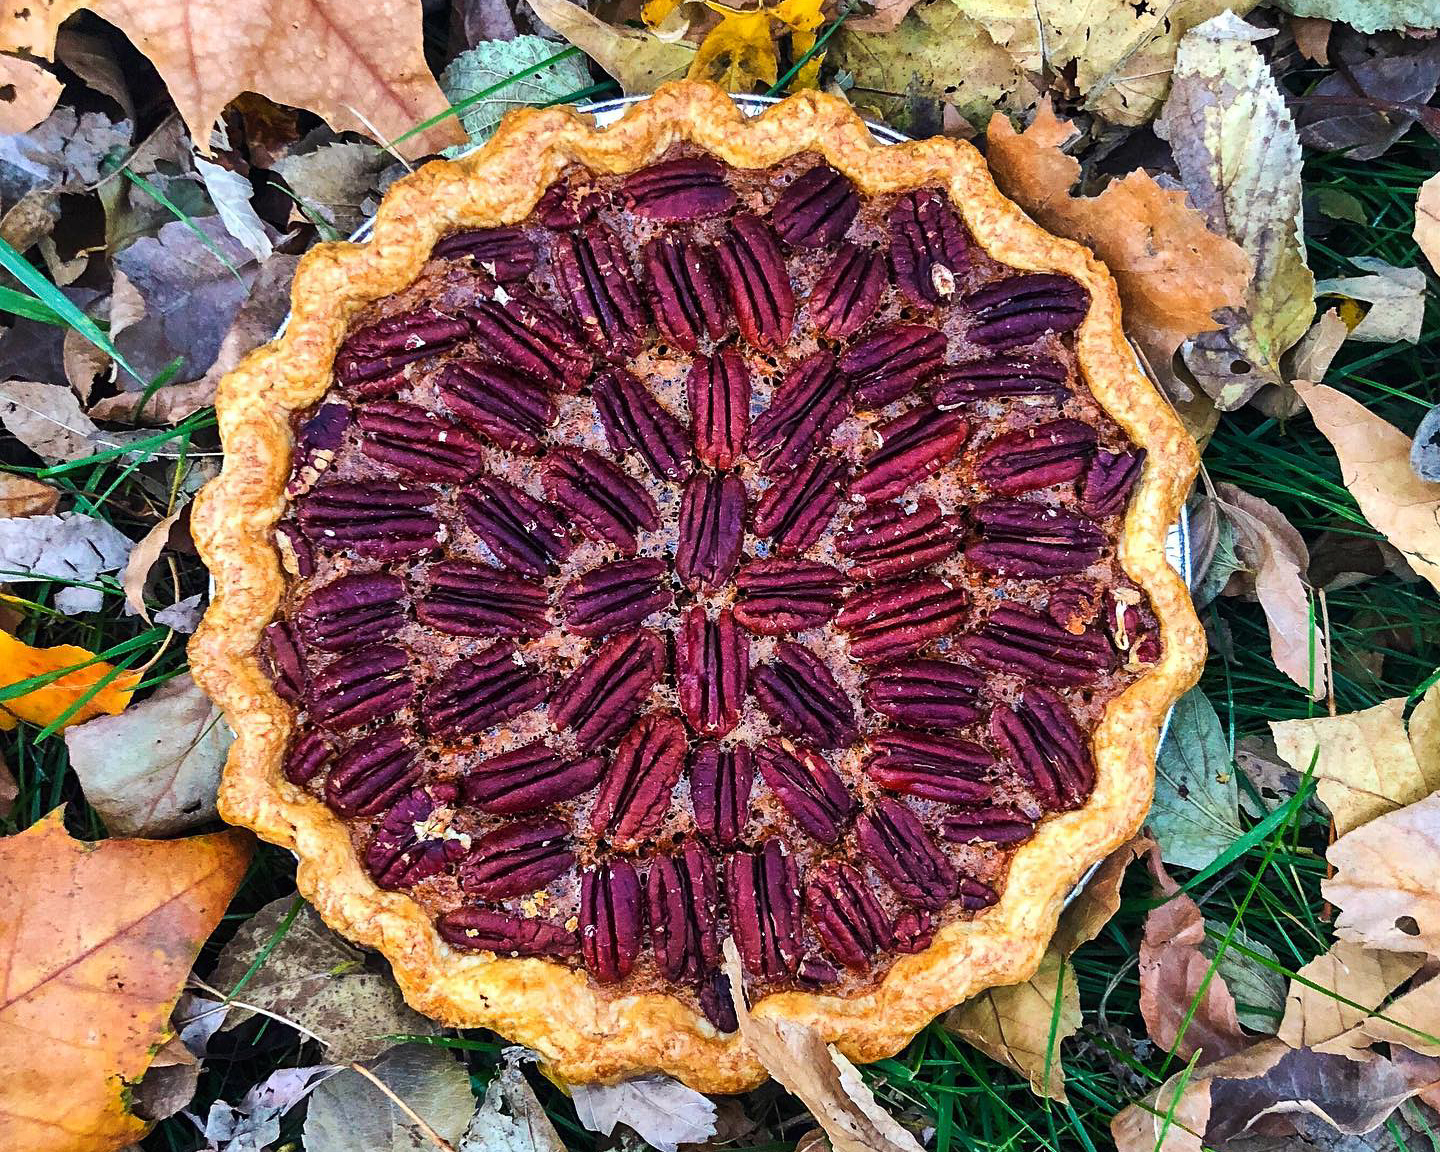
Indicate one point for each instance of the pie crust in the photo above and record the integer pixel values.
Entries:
(582, 1033)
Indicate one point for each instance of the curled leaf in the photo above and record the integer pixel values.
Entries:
(45, 704)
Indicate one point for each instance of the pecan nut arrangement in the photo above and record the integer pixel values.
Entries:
(699, 528)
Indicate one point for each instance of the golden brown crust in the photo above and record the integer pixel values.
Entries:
(552, 1008)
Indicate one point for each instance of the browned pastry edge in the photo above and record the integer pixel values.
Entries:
(585, 1034)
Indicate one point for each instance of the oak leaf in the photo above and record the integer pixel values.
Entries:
(96, 940)
(45, 704)
(1386, 880)
(1375, 466)
(361, 67)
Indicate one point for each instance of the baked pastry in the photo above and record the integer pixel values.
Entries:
(701, 526)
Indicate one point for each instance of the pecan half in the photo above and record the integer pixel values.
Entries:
(1074, 605)
(900, 617)
(795, 510)
(717, 1001)
(528, 779)
(1041, 739)
(505, 254)
(888, 540)
(483, 690)
(517, 858)
(680, 894)
(687, 188)
(1001, 376)
(808, 787)
(914, 930)
(848, 292)
(569, 203)
(477, 600)
(307, 756)
(928, 246)
(712, 670)
(496, 400)
(684, 292)
(720, 783)
(360, 687)
(600, 698)
(808, 405)
(522, 532)
(610, 919)
(1019, 309)
(892, 362)
(1020, 641)
(718, 388)
(352, 611)
(370, 776)
(593, 272)
(516, 329)
(1018, 538)
(379, 519)
(410, 844)
(711, 528)
(1037, 457)
(756, 282)
(896, 843)
(635, 796)
(763, 891)
(616, 595)
(284, 661)
(607, 504)
(372, 359)
(847, 917)
(418, 443)
(816, 209)
(316, 443)
(776, 597)
(931, 767)
(486, 930)
(991, 825)
(912, 447)
(1111, 478)
(926, 693)
(799, 693)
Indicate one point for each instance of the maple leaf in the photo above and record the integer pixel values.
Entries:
(360, 66)
(96, 940)
(1386, 880)
(48, 702)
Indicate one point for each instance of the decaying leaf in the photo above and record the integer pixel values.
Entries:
(44, 705)
(639, 61)
(70, 546)
(1368, 15)
(1427, 220)
(142, 559)
(184, 615)
(1196, 815)
(1396, 297)
(1372, 99)
(154, 769)
(1173, 1118)
(510, 1117)
(21, 496)
(1425, 449)
(663, 1111)
(1338, 990)
(1365, 763)
(1090, 909)
(254, 1123)
(63, 154)
(73, 915)
(1375, 465)
(1312, 38)
(1386, 880)
(33, 91)
(360, 68)
(1239, 158)
(230, 192)
(489, 63)
(316, 980)
(47, 419)
(335, 181)
(348, 1111)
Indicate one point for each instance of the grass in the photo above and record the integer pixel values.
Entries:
(1261, 896)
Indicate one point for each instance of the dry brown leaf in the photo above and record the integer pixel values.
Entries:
(1427, 220)
(142, 559)
(1387, 880)
(47, 419)
(360, 66)
(28, 94)
(1364, 761)
(1172, 271)
(1375, 465)
(1396, 297)
(1173, 1118)
(96, 941)
(21, 496)
(1312, 38)
(9, 789)
(1411, 1020)
(1314, 1017)
(640, 61)
(1093, 906)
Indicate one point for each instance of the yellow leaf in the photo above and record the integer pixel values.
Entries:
(19, 661)
(655, 11)
(809, 74)
(801, 15)
(738, 53)
(639, 60)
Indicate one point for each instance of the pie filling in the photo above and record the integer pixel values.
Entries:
(717, 552)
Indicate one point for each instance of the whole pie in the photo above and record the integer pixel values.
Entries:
(699, 527)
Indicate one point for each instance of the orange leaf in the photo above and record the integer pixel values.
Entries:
(19, 661)
(96, 940)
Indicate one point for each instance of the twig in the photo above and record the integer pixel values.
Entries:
(419, 1121)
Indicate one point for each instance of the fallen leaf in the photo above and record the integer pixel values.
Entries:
(348, 1112)
(1427, 220)
(64, 153)
(493, 62)
(28, 94)
(1375, 466)
(359, 67)
(1337, 991)
(44, 705)
(1411, 1020)
(1257, 988)
(1364, 762)
(1090, 909)
(1425, 448)
(184, 615)
(96, 941)
(93, 59)
(1386, 880)
(1396, 296)
(639, 61)
(818, 1075)
(319, 982)
(1173, 1118)
(254, 1123)
(1312, 38)
(142, 559)
(1368, 104)
(1196, 814)
(1312, 356)
(21, 496)
(230, 192)
(1367, 15)
(1277, 559)
(335, 181)
(9, 789)
(738, 53)
(71, 547)
(510, 1117)
(47, 419)
(153, 770)
(1239, 159)
(661, 1110)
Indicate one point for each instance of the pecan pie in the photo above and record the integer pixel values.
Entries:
(697, 528)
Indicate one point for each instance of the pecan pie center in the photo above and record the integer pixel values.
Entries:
(715, 552)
